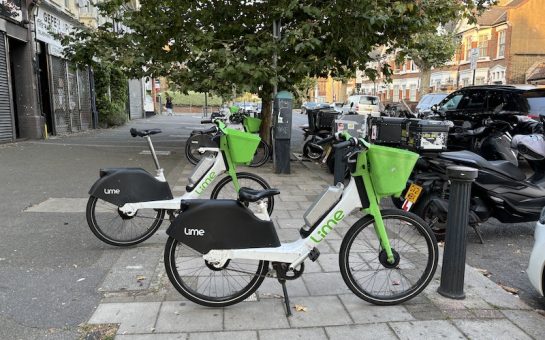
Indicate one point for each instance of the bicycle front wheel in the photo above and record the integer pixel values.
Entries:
(207, 284)
(193, 144)
(261, 155)
(111, 226)
(363, 261)
(225, 189)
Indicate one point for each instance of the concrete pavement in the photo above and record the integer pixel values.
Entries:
(152, 309)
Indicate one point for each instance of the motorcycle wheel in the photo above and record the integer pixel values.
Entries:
(438, 225)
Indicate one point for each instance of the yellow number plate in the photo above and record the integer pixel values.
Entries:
(413, 193)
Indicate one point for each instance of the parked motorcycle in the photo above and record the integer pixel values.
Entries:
(501, 190)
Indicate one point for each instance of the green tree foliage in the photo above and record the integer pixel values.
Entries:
(217, 45)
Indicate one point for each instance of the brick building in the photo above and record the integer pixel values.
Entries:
(510, 39)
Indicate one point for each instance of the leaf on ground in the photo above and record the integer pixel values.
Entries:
(300, 308)
(485, 272)
(510, 289)
(396, 282)
(140, 278)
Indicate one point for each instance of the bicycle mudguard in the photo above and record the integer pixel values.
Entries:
(221, 224)
(129, 185)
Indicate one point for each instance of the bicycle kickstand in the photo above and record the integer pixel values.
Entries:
(286, 297)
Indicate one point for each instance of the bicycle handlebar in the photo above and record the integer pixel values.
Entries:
(207, 121)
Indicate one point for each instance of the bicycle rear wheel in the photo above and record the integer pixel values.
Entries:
(225, 189)
(261, 155)
(193, 144)
(209, 285)
(111, 226)
(363, 261)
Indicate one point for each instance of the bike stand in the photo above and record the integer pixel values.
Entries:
(286, 297)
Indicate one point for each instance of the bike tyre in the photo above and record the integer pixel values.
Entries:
(193, 143)
(261, 155)
(102, 234)
(171, 269)
(225, 181)
(423, 280)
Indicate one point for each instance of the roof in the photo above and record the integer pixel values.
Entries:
(538, 73)
(493, 16)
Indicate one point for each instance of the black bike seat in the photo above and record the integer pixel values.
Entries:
(143, 133)
(251, 195)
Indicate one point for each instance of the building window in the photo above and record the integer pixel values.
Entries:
(501, 44)
(396, 93)
(483, 46)
(468, 48)
(413, 93)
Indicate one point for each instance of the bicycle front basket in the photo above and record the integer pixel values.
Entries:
(390, 169)
(242, 145)
(251, 124)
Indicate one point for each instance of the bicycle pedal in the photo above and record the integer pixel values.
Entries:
(314, 254)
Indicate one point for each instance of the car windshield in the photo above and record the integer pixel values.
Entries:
(368, 100)
(536, 102)
(451, 102)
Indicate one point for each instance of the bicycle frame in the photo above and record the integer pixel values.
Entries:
(354, 196)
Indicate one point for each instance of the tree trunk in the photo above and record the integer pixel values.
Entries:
(425, 74)
(266, 114)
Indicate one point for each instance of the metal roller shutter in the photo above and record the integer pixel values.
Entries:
(85, 98)
(59, 93)
(6, 117)
(73, 98)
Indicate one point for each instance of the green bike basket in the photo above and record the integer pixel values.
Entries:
(242, 145)
(390, 169)
(251, 124)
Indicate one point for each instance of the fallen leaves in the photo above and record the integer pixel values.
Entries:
(511, 290)
(300, 308)
(485, 272)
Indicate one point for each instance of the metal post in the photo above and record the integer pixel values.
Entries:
(454, 256)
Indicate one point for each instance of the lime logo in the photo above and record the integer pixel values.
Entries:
(328, 226)
(206, 183)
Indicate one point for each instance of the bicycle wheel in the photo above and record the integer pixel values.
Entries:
(206, 284)
(113, 227)
(226, 190)
(312, 152)
(261, 155)
(363, 262)
(193, 144)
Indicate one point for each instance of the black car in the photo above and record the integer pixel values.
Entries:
(474, 103)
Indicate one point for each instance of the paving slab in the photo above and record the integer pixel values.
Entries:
(370, 332)
(491, 329)
(136, 317)
(60, 205)
(153, 336)
(183, 317)
(294, 333)
(321, 311)
(264, 314)
(432, 330)
(325, 284)
(233, 335)
(271, 288)
(364, 312)
(530, 321)
(134, 270)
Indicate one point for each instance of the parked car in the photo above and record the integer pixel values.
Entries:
(423, 108)
(362, 105)
(476, 102)
(536, 265)
(246, 107)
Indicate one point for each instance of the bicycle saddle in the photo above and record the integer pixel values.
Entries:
(251, 195)
(143, 133)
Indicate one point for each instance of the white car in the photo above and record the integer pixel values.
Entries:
(362, 105)
(536, 265)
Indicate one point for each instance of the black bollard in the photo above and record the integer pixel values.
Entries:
(454, 256)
